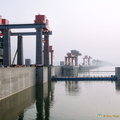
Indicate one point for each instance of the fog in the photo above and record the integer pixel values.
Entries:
(89, 26)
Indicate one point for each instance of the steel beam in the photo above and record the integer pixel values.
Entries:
(23, 33)
(6, 48)
(29, 33)
(47, 32)
(46, 50)
(18, 26)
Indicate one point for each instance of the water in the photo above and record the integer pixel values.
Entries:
(73, 100)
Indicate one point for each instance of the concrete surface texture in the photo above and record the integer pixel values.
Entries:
(13, 80)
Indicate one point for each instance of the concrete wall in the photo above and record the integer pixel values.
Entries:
(69, 71)
(75, 71)
(57, 70)
(13, 80)
(52, 71)
(117, 73)
(66, 70)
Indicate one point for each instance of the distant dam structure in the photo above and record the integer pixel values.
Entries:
(87, 68)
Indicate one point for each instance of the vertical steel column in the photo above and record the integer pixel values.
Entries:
(20, 50)
(46, 49)
(52, 57)
(6, 48)
(39, 46)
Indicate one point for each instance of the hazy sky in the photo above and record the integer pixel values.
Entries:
(89, 26)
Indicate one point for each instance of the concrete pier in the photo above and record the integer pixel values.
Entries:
(51, 72)
(69, 70)
(117, 73)
(41, 75)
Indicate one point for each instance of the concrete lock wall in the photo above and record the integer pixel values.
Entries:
(52, 71)
(13, 80)
(57, 70)
(117, 73)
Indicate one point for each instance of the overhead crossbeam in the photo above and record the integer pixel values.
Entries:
(29, 33)
(18, 26)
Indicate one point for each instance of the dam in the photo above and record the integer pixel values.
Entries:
(30, 87)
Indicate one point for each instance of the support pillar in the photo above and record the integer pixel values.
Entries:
(46, 50)
(88, 61)
(68, 61)
(6, 48)
(72, 61)
(117, 73)
(83, 61)
(76, 61)
(65, 60)
(20, 50)
(51, 57)
(39, 46)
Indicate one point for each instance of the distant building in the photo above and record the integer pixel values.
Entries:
(27, 62)
(62, 63)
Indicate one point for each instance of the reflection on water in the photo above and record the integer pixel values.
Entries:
(117, 84)
(70, 100)
(40, 110)
(33, 103)
(72, 87)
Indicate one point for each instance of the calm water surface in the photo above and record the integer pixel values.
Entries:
(72, 100)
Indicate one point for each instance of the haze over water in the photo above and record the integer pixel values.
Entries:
(72, 100)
